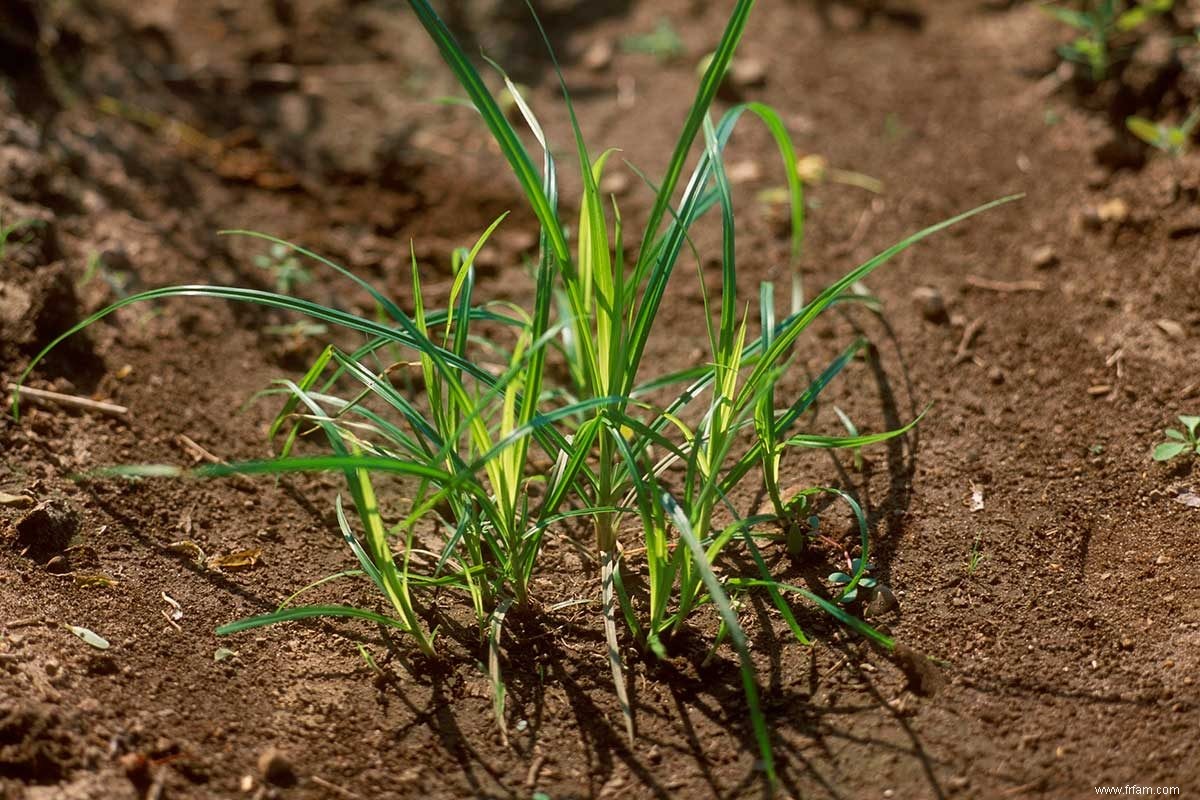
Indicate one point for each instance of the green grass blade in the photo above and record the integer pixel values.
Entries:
(306, 612)
(737, 636)
(510, 145)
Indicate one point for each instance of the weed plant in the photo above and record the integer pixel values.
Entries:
(1099, 24)
(495, 457)
(1171, 139)
(1180, 443)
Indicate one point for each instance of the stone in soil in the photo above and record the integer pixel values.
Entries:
(276, 768)
(46, 531)
(931, 304)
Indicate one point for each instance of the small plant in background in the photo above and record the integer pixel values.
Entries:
(1172, 139)
(8, 232)
(663, 42)
(1098, 23)
(1179, 443)
(285, 269)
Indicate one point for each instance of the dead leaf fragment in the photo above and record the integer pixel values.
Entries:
(976, 498)
(15, 500)
(242, 559)
(188, 548)
(176, 613)
(1171, 328)
(1189, 499)
(94, 579)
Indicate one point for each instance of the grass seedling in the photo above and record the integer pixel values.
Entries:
(1172, 139)
(7, 233)
(1179, 443)
(493, 457)
(285, 269)
(1098, 23)
(975, 557)
(663, 42)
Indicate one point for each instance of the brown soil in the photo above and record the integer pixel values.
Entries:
(1067, 659)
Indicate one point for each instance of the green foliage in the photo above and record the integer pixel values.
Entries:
(1098, 23)
(975, 557)
(1179, 443)
(491, 456)
(7, 232)
(663, 42)
(1172, 139)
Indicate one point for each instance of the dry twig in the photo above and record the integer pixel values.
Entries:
(1007, 287)
(69, 400)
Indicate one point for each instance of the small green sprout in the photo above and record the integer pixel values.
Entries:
(864, 582)
(1098, 24)
(663, 42)
(1172, 139)
(7, 232)
(975, 557)
(285, 269)
(1179, 442)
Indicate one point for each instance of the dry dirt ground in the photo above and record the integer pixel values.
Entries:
(130, 133)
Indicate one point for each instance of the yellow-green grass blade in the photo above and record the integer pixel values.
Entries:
(830, 608)
(307, 612)
(510, 145)
(800, 321)
(705, 92)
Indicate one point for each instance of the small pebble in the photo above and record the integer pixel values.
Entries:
(1098, 178)
(1114, 210)
(275, 768)
(598, 56)
(615, 183)
(746, 171)
(745, 73)
(933, 307)
(1044, 257)
(1171, 328)
(996, 375)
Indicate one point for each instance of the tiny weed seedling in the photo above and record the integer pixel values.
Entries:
(494, 457)
(1098, 23)
(844, 580)
(975, 557)
(1179, 443)
(8, 232)
(663, 42)
(285, 269)
(1172, 139)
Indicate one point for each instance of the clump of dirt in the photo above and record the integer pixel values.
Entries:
(35, 744)
(46, 531)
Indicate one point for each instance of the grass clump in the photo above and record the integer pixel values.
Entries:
(499, 455)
